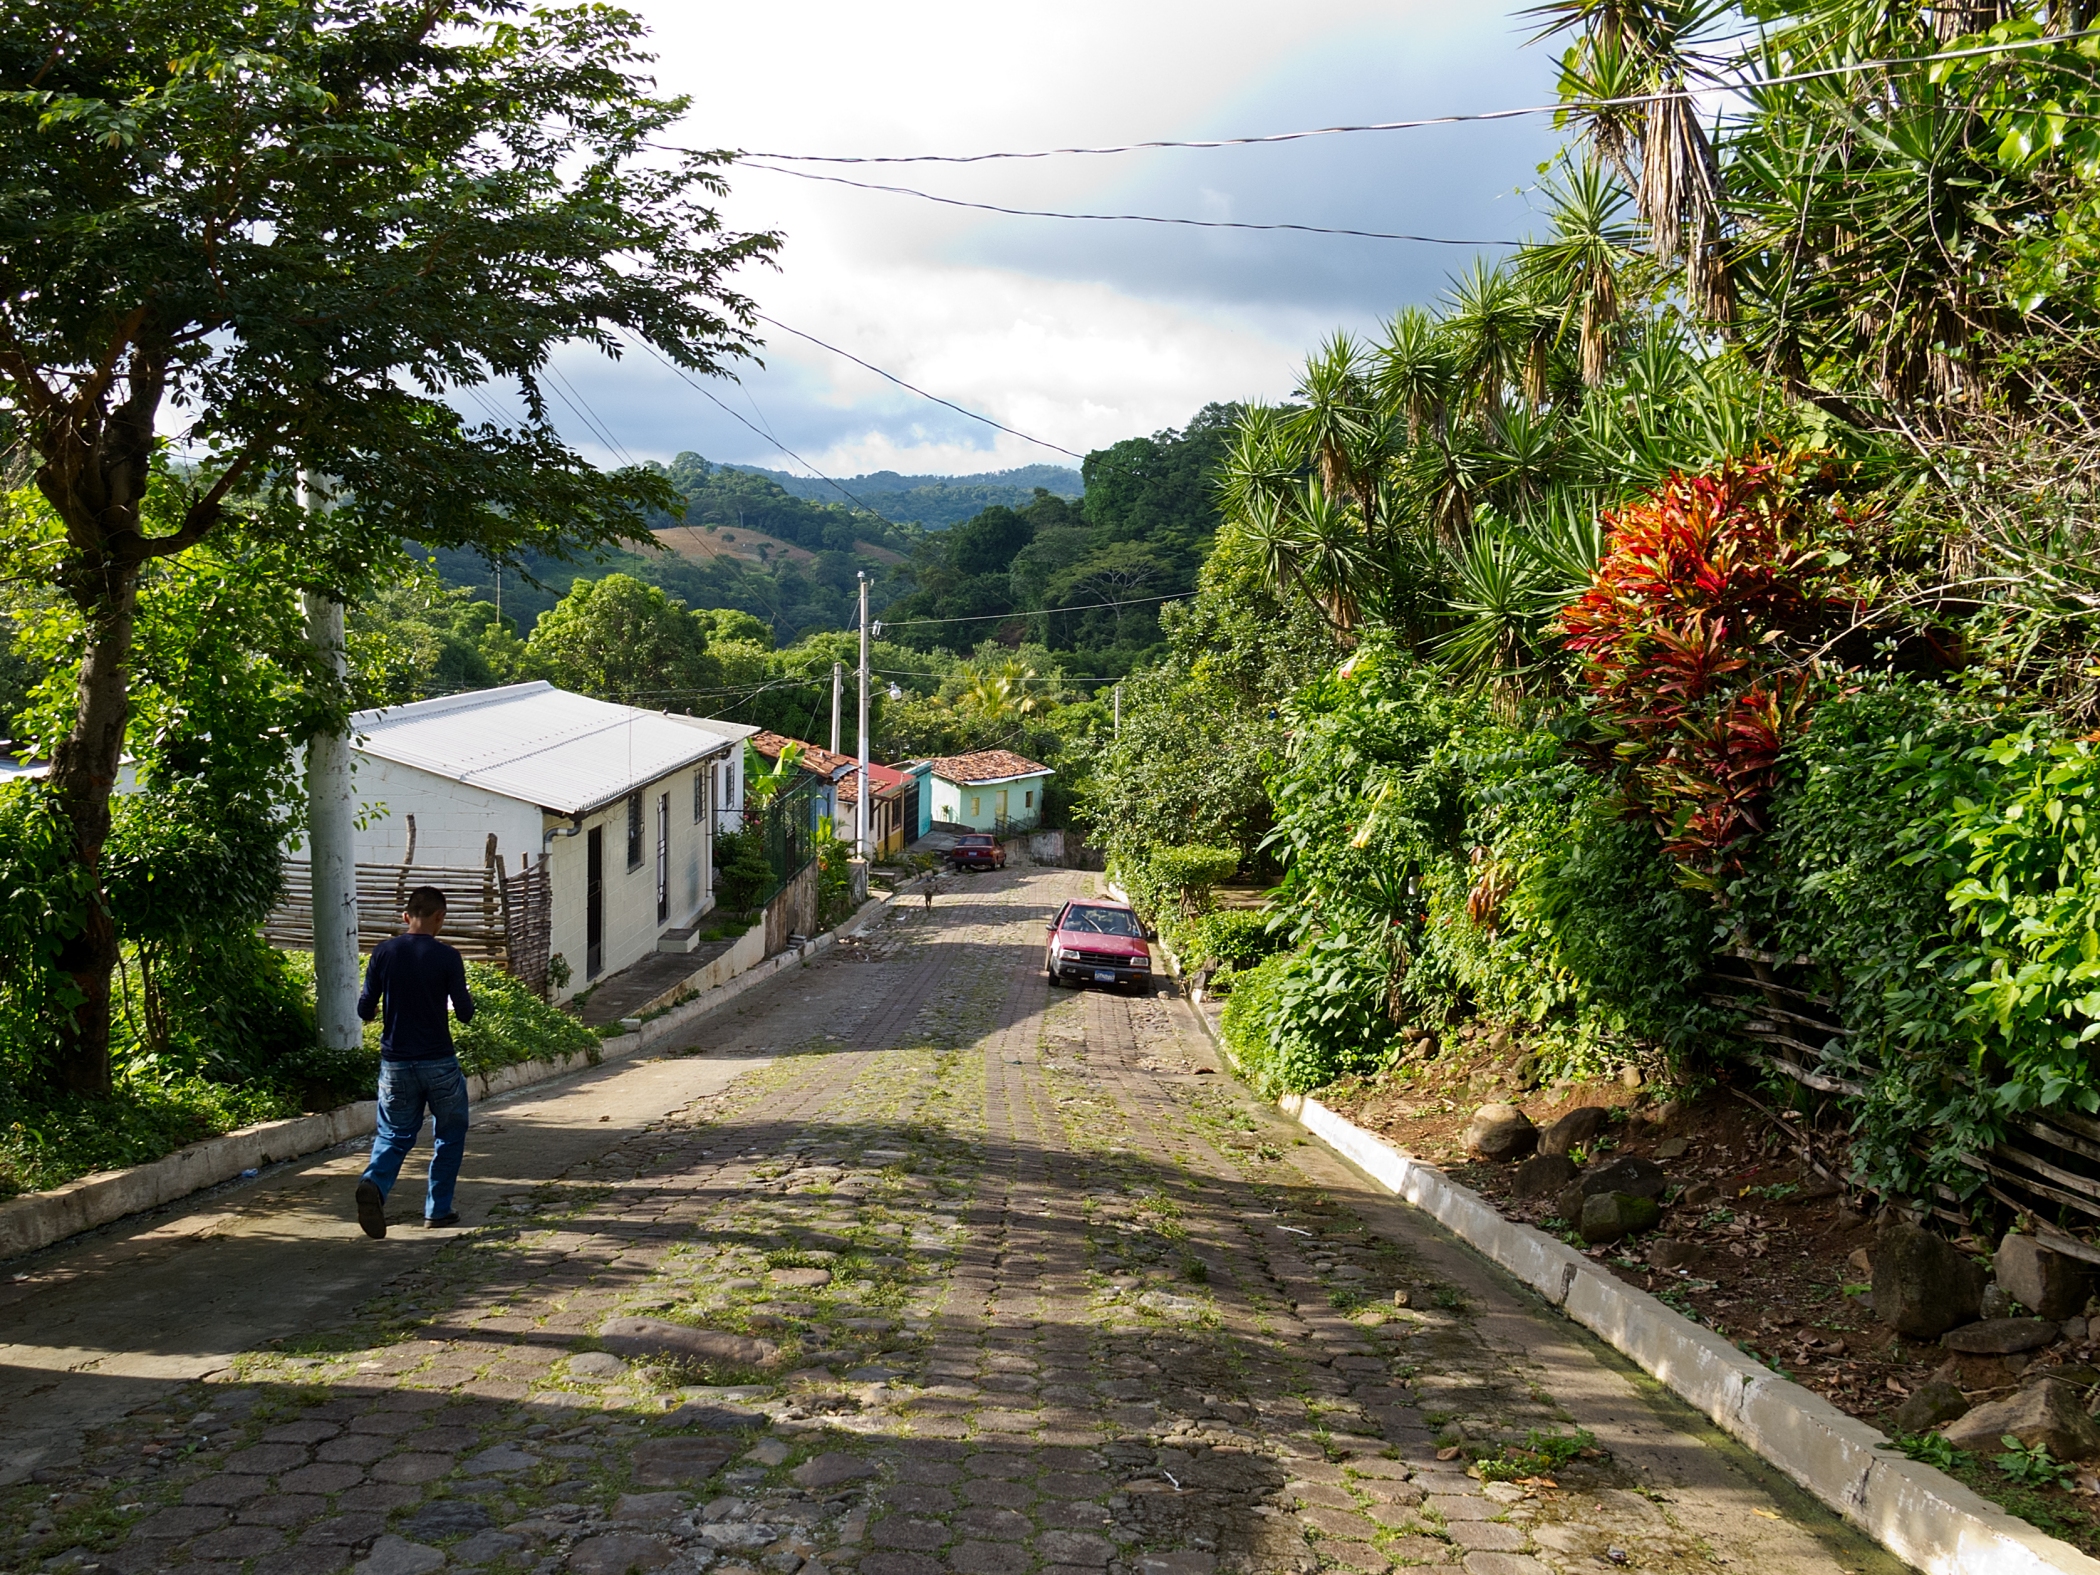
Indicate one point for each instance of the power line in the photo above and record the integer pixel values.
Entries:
(1129, 218)
(1031, 612)
(572, 396)
(1565, 106)
(914, 388)
(700, 388)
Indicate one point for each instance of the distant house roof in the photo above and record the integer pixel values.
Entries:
(887, 780)
(815, 760)
(844, 770)
(567, 753)
(981, 766)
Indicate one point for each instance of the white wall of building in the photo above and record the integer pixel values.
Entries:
(453, 822)
(631, 925)
(453, 819)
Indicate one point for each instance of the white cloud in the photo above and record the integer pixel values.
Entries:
(1081, 334)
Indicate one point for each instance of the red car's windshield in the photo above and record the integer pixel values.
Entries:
(975, 842)
(1102, 921)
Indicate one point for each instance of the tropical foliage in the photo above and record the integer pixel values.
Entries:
(1709, 579)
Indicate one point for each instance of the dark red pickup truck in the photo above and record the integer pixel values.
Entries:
(979, 852)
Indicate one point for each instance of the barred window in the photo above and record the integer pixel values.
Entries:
(634, 831)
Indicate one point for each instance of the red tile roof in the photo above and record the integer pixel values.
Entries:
(988, 765)
(844, 770)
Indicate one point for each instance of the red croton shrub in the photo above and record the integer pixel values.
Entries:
(1696, 643)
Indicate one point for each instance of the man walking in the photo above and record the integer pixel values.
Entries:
(417, 975)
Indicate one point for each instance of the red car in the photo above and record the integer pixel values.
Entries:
(1097, 943)
(977, 852)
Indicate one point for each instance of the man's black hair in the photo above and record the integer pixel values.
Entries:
(425, 902)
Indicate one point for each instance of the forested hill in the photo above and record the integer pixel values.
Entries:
(746, 542)
(935, 502)
(1139, 534)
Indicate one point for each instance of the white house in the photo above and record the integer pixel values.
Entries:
(621, 804)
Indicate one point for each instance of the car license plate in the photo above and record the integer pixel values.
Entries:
(1104, 976)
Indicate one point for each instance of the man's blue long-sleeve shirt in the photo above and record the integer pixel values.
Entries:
(417, 975)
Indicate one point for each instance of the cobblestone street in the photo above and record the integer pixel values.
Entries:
(947, 1270)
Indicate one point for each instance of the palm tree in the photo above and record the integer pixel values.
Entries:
(1634, 48)
(1578, 270)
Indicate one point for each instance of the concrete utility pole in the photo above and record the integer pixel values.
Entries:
(331, 816)
(838, 677)
(860, 816)
(1116, 727)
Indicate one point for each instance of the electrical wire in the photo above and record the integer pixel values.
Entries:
(708, 393)
(1129, 218)
(1030, 612)
(913, 387)
(1566, 106)
(573, 398)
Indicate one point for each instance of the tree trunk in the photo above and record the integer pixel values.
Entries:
(83, 775)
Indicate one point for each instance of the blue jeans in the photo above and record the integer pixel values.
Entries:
(406, 1090)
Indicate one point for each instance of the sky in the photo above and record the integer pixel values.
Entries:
(1076, 333)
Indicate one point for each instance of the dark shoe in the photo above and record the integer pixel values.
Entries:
(371, 1208)
(441, 1222)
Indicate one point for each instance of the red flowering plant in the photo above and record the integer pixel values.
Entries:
(1695, 641)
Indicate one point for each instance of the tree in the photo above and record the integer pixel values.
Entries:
(619, 639)
(298, 223)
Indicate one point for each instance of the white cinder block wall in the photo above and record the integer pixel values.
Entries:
(453, 822)
(631, 926)
(453, 819)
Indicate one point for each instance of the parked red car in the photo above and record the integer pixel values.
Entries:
(1097, 943)
(977, 852)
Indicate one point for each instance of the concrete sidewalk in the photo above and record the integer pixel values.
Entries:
(93, 1327)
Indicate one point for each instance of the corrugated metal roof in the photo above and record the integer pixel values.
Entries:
(564, 752)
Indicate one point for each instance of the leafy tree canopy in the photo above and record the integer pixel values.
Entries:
(300, 222)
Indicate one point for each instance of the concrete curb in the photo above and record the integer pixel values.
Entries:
(41, 1218)
(1921, 1515)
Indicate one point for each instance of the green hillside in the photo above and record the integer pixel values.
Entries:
(934, 502)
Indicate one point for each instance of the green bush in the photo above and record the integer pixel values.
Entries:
(1189, 874)
(1298, 1020)
(1249, 1022)
(57, 1139)
(1478, 865)
(512, 1025)
(1854, 875)
(1235, 938)
(743, 873)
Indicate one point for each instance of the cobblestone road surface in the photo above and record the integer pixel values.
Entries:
(972, 1276)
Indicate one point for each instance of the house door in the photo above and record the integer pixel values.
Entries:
(594, 902)
(663, 858)
(911, 810)
(1002, 806)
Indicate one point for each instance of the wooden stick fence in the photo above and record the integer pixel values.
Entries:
(492, 916)
(2046, 1168)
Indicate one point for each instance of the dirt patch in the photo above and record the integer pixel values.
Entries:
(707, 543)
(1753, 1243)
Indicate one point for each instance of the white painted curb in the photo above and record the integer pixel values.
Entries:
(41, 1218)
(1921, 1515)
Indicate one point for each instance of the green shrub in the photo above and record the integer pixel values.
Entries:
(1189, 873)
(743, 873)
(1232, 937)
(58, 1139)
(1249, 1023)
(511, 1025)
(1298, 1020)
(1855, 875)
